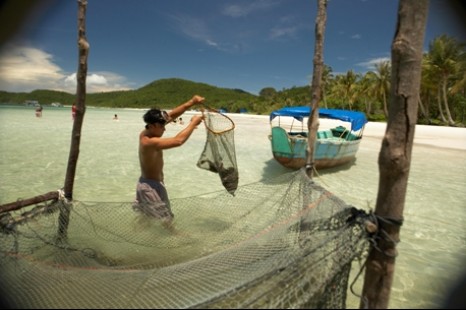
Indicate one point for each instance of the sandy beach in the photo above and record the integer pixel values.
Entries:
(438, 136)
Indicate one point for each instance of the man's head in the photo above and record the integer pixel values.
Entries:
(155, 116)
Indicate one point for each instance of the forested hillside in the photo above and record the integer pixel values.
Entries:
(165, 93)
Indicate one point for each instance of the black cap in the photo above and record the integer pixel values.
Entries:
(156, 116)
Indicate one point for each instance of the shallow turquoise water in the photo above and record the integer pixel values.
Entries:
(34, 154)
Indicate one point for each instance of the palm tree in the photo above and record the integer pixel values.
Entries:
(459, 83)
(344, 89)
(428, 91)
(326, 80)
(366, 93)
(381, 79)
(445, 58)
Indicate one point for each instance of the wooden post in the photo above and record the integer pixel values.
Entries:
(395, 154)
(313, 122)
(27, 202)
(83, 47)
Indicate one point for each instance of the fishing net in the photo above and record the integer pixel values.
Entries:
(219, 154)
(281, 243)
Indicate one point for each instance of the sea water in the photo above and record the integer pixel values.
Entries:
(34, 156)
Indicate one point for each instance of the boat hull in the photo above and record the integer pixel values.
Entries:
(324, 161)
(329, 152)
(334, 147)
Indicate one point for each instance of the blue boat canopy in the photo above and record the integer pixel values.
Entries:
(357, 119)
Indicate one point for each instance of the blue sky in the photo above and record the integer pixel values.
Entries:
(249, 45)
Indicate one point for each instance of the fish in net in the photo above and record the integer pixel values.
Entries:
(219, 154)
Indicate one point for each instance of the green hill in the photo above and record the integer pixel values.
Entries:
(167, 93)
(44, 97)
(164, 93)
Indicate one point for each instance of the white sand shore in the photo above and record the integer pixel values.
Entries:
(439, 136)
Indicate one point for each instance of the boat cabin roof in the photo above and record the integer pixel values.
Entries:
(357, 119)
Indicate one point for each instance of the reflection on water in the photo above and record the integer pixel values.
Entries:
(34, 153)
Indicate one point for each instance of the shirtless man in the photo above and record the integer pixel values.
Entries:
(151, 195)
(39, 111)
(73, 111)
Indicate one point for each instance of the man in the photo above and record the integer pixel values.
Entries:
(151, 195)
(73, 111)
(39, 111)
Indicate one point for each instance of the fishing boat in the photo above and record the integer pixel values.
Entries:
(334, 147)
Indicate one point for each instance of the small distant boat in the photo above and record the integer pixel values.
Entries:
(334, 147)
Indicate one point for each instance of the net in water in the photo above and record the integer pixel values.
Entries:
(281, 243)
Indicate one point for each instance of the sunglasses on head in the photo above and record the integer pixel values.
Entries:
(162, 119)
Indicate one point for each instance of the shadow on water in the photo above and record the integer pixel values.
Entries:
(273, 169)
(332, 170)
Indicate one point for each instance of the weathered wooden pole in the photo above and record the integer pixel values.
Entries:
(313, 122)
(83, 47)
(27, 202)
(395, 154)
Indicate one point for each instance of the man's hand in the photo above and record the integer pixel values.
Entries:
(197, 99)
(197, 119)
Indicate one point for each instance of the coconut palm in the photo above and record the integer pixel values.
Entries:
(459, 83)
(365, 92)
(345, 88)
(428, 92)
(326, 80)
(444, 59)
(381, 79)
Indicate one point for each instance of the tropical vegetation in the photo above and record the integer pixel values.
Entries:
(442, 97)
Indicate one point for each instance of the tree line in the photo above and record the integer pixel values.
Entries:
(442, 95)
(442, 98)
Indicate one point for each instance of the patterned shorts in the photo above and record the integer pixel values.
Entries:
(152, 200)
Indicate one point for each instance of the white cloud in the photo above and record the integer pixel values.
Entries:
(98, 82)
(240, 41)
(194, 28)
(27, 68)
(370, 64)
(236, 10)
(279, 32)
(356, 36)
(198, 30)
(211, 43)
(286, 28)
(24, 69)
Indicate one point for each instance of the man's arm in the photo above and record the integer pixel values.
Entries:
(185, 106)
(178, 140)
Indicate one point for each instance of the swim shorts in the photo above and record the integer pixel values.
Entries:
(152, 199)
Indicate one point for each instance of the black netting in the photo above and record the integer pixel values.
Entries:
(219, 154)
(282, 243)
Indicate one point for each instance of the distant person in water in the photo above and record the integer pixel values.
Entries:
(151, 195)
(115, 117)
(73, 111)
(39, 111)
